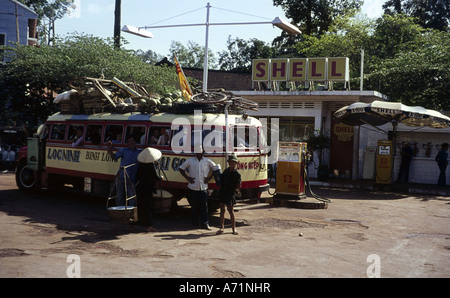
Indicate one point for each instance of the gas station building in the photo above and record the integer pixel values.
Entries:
(309, 107)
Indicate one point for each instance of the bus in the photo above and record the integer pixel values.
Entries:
(52, 158)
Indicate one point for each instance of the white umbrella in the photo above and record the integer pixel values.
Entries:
(380, 112)
(149, 155)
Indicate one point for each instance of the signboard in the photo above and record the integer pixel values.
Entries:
(297, 69)
(317, 69)
(301, 69)
(260, 70)
(279, 69)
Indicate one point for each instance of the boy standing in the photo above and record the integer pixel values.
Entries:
(230, 182)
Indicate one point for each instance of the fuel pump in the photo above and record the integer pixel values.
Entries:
(290, 178)
(384, 162)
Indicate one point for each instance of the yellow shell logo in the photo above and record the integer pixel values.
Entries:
(343, 132)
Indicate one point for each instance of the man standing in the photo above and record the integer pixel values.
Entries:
(407, 154)
(200, 173)
(128, 161)
(442, 161)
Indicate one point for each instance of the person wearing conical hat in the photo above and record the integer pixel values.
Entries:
(146, 179)
(230, 183)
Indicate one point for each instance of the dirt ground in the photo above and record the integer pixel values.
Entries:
(361, 234)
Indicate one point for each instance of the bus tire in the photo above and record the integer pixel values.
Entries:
(25, 179)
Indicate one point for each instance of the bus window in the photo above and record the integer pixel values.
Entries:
(58, 131)
(136, 131)
(215, 141)
(113, 133)
(72, 132)
(94, 133)
(245, 137)
(159, 135)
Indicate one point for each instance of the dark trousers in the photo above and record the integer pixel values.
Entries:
(145, 205)
(442, 177)
(403, 173)
(199, 205)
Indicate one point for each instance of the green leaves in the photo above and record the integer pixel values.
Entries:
(33, 75)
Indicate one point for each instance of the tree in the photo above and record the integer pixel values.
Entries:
(33, 75)
(346, 37)
(191, 55)
(394, 34)
(434, 14)
(149, 56)
(313, 17)
(241, 53)
(419, 74)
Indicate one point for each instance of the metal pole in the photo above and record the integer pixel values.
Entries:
(362, 71)
(227, 141)
(205, 62)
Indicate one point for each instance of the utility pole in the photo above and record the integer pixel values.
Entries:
(117, 15)
(17, 23)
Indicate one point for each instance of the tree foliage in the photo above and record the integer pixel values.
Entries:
(192, 55)
(419, 75)
(33, 74)
(241, 53)
(432, 14)
(313, 17)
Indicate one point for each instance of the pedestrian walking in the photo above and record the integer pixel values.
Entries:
(200, 170)
(230, 183)
(442, 161)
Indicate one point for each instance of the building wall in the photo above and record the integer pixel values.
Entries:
(8, 21)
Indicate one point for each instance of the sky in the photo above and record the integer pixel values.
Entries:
(96, 17)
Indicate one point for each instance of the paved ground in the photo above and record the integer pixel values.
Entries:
(361, 233)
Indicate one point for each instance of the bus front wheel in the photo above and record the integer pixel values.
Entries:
(25, 179)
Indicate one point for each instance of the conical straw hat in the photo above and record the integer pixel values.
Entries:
(149, 155)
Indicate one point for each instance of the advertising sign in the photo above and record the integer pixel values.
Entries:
(301, 69)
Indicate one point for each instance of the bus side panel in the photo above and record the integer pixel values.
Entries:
(80, 161)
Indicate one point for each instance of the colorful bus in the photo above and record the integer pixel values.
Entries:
(52, 158)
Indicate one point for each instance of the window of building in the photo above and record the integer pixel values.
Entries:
(2, 43)
(295, 129)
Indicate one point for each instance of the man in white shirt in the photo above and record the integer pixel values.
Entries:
(200, 173)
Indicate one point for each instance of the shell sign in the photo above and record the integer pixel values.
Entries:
(301, 69)
(343, 132)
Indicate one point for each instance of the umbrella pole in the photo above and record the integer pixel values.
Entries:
(394, 146)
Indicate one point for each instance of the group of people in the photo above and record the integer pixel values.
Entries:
(441, 158)
(197, 171)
